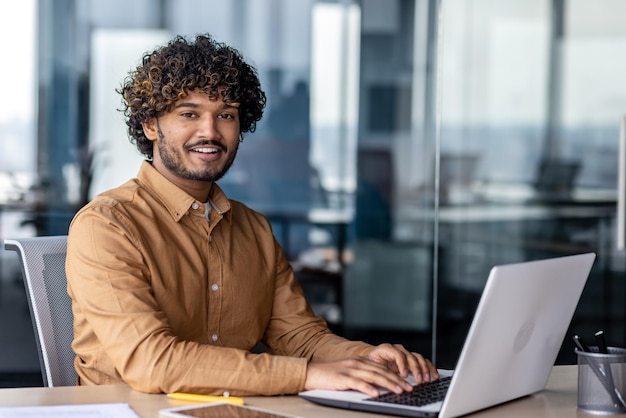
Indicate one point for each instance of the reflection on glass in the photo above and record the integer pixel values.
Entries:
(335, 54)
(522, 90)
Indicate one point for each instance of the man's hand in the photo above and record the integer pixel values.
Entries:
(400, 360)
(386, 366)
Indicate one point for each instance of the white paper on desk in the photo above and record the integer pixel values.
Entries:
(104, 410)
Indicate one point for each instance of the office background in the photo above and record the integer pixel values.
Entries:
(407, 147)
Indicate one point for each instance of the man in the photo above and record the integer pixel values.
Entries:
(173, 284)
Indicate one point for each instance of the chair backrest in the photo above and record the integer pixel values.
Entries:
(43, 266)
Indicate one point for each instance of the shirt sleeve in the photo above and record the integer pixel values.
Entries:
(119, 322)
(295, 330)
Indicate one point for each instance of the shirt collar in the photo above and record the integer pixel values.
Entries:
(177, 201)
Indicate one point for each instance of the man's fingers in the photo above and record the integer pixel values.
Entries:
(358, 374)
(378, 375)
(403, 362)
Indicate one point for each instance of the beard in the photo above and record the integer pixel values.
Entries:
(172, 160)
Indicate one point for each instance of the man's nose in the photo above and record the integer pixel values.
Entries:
(208, 127)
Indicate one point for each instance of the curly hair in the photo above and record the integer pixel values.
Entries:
(168, 73)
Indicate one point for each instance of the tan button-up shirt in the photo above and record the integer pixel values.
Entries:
(166, 301)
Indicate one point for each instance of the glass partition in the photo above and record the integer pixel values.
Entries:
(529, 123)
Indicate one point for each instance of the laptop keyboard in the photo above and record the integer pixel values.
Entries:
(422, 394)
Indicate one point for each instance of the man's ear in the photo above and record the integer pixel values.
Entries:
(150, 129)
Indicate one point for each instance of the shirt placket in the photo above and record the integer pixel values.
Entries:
(215, 279)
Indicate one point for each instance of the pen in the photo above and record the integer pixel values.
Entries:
(192, 397)
(602, 347)
(581, 344)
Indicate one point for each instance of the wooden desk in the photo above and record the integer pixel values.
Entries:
(558, 400)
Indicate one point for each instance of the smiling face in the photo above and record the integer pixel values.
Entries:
(196, 143)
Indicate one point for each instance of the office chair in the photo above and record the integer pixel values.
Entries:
(43, 267)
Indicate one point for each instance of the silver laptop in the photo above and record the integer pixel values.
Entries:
(515, 336)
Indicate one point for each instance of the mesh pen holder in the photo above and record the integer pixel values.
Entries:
(602, 381)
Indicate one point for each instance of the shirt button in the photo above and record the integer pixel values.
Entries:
(194, 205)
(214, 287)
(214, 337)
(210, 238)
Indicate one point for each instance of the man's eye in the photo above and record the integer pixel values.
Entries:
(188, 115)
(226, 116)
